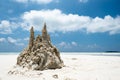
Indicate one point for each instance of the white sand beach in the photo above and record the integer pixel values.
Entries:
(77, 67)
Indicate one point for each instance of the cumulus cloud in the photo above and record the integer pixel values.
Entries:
(26, 39)
(107, 24)
(17, 42)
(62, 44)
(75, 46)
(67, 45)
(22, 1)
(57, 21)
(74, 43)
(61, 22)
(14, 41)
(2, 39)
(35, 1)
(11, 40)
(6, 26)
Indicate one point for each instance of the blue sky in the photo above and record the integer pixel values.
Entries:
(74, 25)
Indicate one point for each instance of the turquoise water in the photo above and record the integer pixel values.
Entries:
(71, 53)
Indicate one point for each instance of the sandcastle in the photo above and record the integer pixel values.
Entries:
(40, 54)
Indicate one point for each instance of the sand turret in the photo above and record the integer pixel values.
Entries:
(41, 54)
(31, 40)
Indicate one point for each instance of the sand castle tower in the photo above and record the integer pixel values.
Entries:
(40, 53)
(31, 41)
(44, 33)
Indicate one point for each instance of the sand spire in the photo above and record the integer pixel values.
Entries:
(40, 54)
(31, 40)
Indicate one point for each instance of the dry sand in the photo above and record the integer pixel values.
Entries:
(78, 67)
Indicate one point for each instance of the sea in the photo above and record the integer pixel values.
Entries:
(73, 53)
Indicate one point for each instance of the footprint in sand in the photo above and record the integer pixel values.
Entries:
(74, 58)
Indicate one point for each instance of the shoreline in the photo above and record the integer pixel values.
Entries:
(71, 53)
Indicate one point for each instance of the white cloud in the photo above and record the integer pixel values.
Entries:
(83, 1)
(67, 45)
(57, 21)
(26, 39)
(2, 39)
(35, 1)
(5, 27)
(41, 1)
(14, 41)
(75, 46)
(22, 1)
(20, 44)
(60, 22)
(62, 44)
(107, 24)
(74, 43)
(11, 40)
